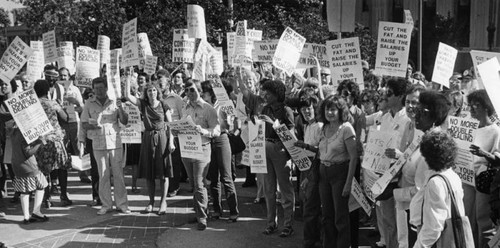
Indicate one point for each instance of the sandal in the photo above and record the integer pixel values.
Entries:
(270, 230)
(37, 217)
(287, 231)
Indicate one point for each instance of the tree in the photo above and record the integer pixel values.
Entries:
(4, 18)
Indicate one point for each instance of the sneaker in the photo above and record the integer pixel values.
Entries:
(102, 211)
(286, 232)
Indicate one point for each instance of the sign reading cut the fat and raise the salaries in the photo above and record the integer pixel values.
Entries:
(288, 51)
(29, 115)
(189, 139)
(345, 60)
(393, 48)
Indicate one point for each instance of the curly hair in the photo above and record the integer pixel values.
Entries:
(437, 104)
(275, 87)
(439, 150)
(340, 104)
(370, 96)
(398, 85)
(41, 87)
(481, 97)
(352, 89)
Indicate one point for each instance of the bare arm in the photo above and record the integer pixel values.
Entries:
(353, 161)
(129, 96)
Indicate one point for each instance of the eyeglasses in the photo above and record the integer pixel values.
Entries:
(190, 89)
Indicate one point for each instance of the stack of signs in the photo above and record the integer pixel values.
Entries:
(463, 132)
(130, 51)
(288, 51)
(113, 74)
(263, 51)
(196, 22)
(444, 65)
(231, 40)
(144, 48)
(66, 56)
(131, 133)
(49, 46)
(299, 155)
(393, 47)
(103, 45)
(36, 61)
(29, 115)
(182, 47)
(150, 64)
(189, 139)
(257, 144)
(345, 60)
(478, 57)
(87, 66)
(13, 59)
(311, 50)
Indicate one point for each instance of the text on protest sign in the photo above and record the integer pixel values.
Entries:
(144, 48)
(87, 66)
(36, 61)
(369, 179)
(309, 50)
(408, 17)
(288, 50)
(359, 197)
(113, 77)
(257, 143)
(36, 45)
(489, 71)
(380, 185)
(263, 51)
(299, 156)
(190, 144)
(478, 57)
(444, 65)
(150, 64)
(29, 115)
(130, 46)
(463, 132)
(241, 39)
(345, 60)
(13, 59)
(103, 45)
(393, 47)
(196, 22)
(66, 56)
(49, 46)
(223, 100)
(183, 47)
(131, 133)
(374, 158)
(231, 40)
(217, 61)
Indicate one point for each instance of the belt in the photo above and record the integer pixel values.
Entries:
(329, 163)
(273, 140)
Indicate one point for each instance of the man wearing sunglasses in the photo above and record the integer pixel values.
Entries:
(394, 122)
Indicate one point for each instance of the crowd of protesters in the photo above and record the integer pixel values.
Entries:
(331, 121)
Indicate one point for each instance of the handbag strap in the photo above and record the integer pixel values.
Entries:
(456, 219)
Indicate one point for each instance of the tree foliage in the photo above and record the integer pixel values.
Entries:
(82, 21)
(4, 18)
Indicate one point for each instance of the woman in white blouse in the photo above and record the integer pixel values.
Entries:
(439, 150)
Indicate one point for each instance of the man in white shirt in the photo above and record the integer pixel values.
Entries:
(395, 122)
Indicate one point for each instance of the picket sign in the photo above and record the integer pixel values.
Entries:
(66, 56)
(444, 65)
(150, 64)
(393, 48)
(257, 150)
(408, 17)
(87, 66)
(29, 115)
(130, 51)
(288, 51)
(131, 133)
(479, 57)
(49, 46)
(190, 143)
(359, 198)
(196, 22)
(13, 59)
(345, 60)
(489, 71)
(383, 181)
(462, 130)
(299, 155)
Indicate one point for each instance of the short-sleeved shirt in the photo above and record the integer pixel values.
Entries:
(203, 114)
(397, 125)
(333, 149)
(108, 136)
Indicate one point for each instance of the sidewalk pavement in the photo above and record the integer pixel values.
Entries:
(79, 225)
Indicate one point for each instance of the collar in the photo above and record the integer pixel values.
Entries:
(95, 100)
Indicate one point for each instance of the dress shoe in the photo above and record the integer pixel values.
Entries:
(85, 179)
